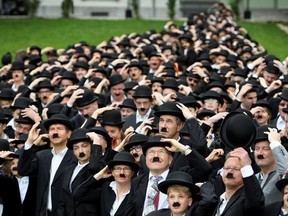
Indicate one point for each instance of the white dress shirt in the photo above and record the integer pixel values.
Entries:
(76, 170)
(139, 118)
(117, 202)
(23, 186)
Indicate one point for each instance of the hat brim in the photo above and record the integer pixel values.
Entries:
(49, 122)
(70, 143)
(173, 113)
(148, 145)
(133, 166)
(95, 98)
(112, 123)
(281, 184)
(163, 186)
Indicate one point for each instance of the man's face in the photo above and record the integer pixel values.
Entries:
(65, 83)
(18, 75)
(283, 104)
(58, 134)
(249, 99)
(269, 77)
(135, 73)
(125, 111)
(154, 62)
(82, 151)
(89, 109)
(285, 195)
(262, 116)
(143, 105)
(14, 165)
(192, 82)
(211, 104)
(117, 91)
(263, 154)
(44, 94)
(220, 59)
(136, 152)
(156, 87)
(169, 126)
(22, 129)
(232, 176)
(179, 199)
(80, 72)
(113, 131)
(5, 103)
(122, 174)
(158, 159)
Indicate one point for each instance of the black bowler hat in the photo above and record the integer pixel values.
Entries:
(136, 139)
(7, 94)
(22, 103)
(44, 84)
(238, 130)
(99, 69)
(45, 74)
(214, 84)
(81, 64)
(178, 178)
(111, 117)
(24, 120)
(170, 108)
(261, 136)
(280, 184)
(130, 85)
(21, 140)
(263, 103)
(135, 64)
(271, 68)
(128, 103)
(213, 95)
(187, 37)
(205, 113)
(58, 119)
(222, 52)
(115, 79)
(79, 134)
(88, 98)
(170, 83)
(69, 75)
(103, 132)
(157, 79)
(18, 65)
(154, 142)
(284, 94)
(4, 145)
(123, 158)
(54, 109)
(189, 101)
(2, 117)
(143, 91)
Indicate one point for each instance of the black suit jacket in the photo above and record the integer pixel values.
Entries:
(40, 163)
(131, 120)
(68, 206)
(273, 209)
(246, 201)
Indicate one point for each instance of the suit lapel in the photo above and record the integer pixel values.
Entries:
(233, 199)
(80, 177)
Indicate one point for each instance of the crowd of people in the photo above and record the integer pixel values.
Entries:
(191, 120)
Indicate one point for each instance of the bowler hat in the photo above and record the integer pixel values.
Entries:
(22, 103)
(271, 68)
(111, 117)
(238, 130)
(189, 101)
(284, 94)
(79, 134)
(103, 132)
(170, 108)
(178, 178)
(2, 117)
(21, 140)
(130, 85)
(205, 113)
(7, 93)
(213, 95)
(261, 135)
(115, 79)
(280, 184)
(81, 64)
(54, 109)
(99, 69)
(44, 84)
(136, 139)
(128, 103)
(24, 120)
(135, 64)
(18, 65)
(263, 103)
(58, 119)
(88, 98)
(123, 158)
(154, 142)
(69, 75)
(45, 74)
(4, 145)
(170, 83)
(143, 91)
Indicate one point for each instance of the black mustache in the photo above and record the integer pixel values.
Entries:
(176, 204)
(122, 175)
(135, 155)
(142, 109)
(55, 136)
(81, 154)
(230, 175)
(45, 97)
(259, 116)
(260, 157)
(163, 129)
(14, 168)
(156, 159)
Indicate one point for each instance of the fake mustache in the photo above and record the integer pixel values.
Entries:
(229, 176)
(135, 155)
(81, 154)
(142, 109)
(45, 97)
(55, 136)
(14, 168)
(121, 175)
(156, 159)
(259, 116)
(176, 204)
(163, 129)
(260, 157)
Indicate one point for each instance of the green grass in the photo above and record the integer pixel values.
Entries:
(18, 34)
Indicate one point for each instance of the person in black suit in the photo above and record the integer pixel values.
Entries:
(159, 152)
(18, 192)
(279, 208)
(243, 194)
(48, 164)
(143, 102)
(114, 195)
(81, 144)
(182, 194)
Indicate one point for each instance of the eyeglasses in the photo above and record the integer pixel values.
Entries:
(161, 152)
(231, 168)
(136, 148)
(210, 100)
(119, 169)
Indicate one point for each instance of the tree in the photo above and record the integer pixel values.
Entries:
(32, 6)
(171, 4)
(67, 8)
(135, 7)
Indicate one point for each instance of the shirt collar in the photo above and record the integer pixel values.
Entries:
(62, 153)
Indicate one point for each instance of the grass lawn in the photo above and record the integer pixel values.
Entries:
(21, 33)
